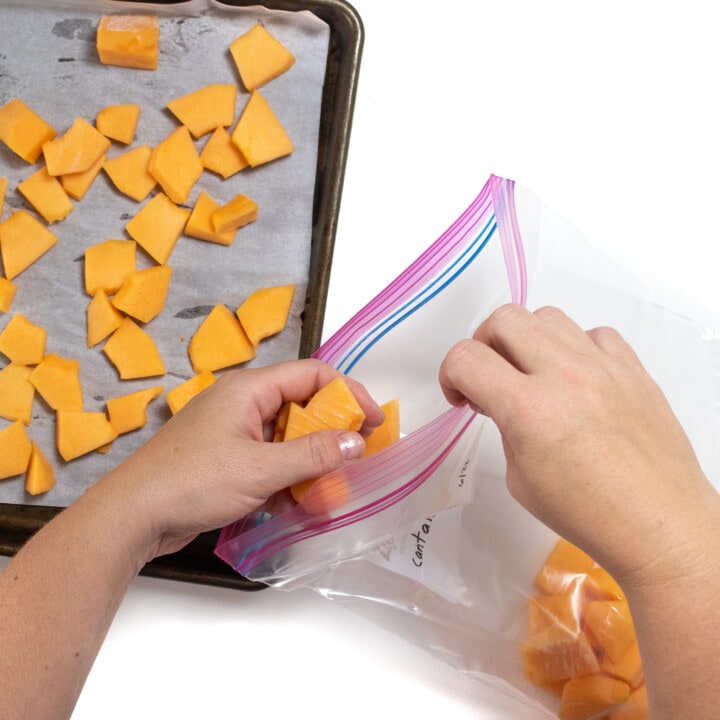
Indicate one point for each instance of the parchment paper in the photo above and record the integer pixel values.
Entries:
(48, 59)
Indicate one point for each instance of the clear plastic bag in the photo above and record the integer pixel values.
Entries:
(428, 542)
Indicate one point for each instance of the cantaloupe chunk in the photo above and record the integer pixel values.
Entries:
(610, 625)
(182, 394)
(108, 264)
(206, 109)
(239, 211)
(3, 190)
(118, 122)
(45, 193)
(584, 698)
(219, 342)
(143, 293)
(40, 476)
(265, 312)
(260, 57)
(129, 41)
(76, 185)
(388, 431)
(129, 412)
(15, 449)
(558, 653)
(336, 406)
(636, 707)
(57, 381)
(103, 318)
(549, 610)
(78, 433)
(628, 668)
(23, 239)
(16, 393)
(220, 154)
(600, 585)
(23, 341)
(133, 352)
(281, 422)
(259, 134)
(199, 224)
(175, 164)
(23, 130)
(565, 564)
(8, 290)
(129, 172)
(76, 150)
(157, 226)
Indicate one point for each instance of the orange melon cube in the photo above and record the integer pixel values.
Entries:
(388, 431)
(129, 412)
(586, 697)
(281, 422)
(206, 109)
(78, 433)
(564, 566)
(220, 154)
(16, 393)
(336, 406)
(260, 57)
(610, 625)
(636, 707)
(558, 653)
(129, 172)
(45, 193)
(133, 352)
(240, 211)
(15, 449)
(182, 394)
(23, 130)
(8, 290)
(143, 293)
(76, 185)
(103, 318)
(549, 610)
(23, 239)
(219, 342)
(23, 341)
(175, 164)
(157, 226)
(108, 264)
(299, 422)
(599, 584)
(76, 150)
(57, 380)
(259, 134)
(118, 122)
(129, 41)
(628, 668)
(199, 224)
(40, 476)
(265, 312)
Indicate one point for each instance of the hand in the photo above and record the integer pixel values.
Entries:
(592, 446)
(209, 465)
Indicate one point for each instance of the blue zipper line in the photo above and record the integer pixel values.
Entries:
(490, 227)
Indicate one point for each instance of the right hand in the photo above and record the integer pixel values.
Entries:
(592, 446)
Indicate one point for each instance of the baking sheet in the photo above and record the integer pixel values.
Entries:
(48, 59)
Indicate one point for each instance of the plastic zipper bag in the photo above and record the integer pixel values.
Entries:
(424, 538)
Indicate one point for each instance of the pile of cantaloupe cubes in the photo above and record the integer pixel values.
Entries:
(124, 297)
(581, 642)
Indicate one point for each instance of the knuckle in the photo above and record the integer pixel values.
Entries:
(550, 313)
(324, 452)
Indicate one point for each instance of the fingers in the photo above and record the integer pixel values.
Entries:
(312, 456)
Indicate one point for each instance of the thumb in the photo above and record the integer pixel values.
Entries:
(317, 454)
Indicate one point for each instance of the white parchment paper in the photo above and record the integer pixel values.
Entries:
(48, 60)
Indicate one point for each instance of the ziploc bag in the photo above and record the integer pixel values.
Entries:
(424, 538)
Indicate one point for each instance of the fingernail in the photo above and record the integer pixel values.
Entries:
(352, 445)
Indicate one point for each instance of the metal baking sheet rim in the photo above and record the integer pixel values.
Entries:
(196, 563)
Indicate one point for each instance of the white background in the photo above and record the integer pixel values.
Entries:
(608, 112)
